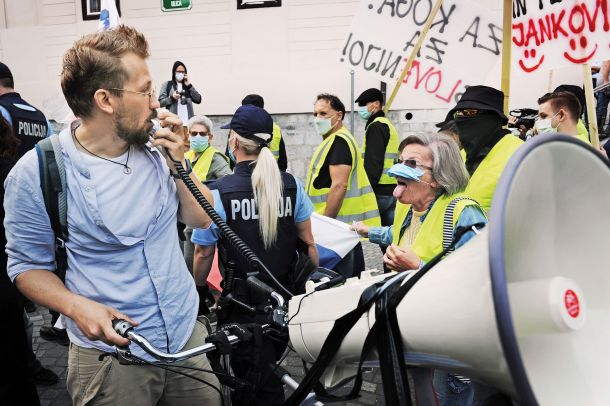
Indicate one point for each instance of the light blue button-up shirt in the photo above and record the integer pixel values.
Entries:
(137, 269)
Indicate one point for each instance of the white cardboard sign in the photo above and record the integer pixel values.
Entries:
(550, 34)
(461, 48)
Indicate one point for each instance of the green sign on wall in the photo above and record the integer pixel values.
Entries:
(176, 5)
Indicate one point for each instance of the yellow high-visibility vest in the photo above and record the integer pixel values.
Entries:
(391, 151)
(583, 134)
(359, 203)
(484, 180)
(429, 240)
(202, 167)
(274, 145)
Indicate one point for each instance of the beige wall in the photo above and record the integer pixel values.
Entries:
(287, 54)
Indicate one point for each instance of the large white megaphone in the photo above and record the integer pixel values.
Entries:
(524, 306)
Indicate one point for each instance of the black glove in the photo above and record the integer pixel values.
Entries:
(243, 331)
(203, 292)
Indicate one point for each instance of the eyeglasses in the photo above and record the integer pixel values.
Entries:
(152, 93)
(465, 113)
(196, 133)
(411, 163)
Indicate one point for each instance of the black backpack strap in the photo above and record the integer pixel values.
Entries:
(54, 191)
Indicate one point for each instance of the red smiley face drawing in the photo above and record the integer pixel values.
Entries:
(527, 56)
(583, 44)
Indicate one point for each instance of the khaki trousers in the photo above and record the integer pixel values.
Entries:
(106, 382)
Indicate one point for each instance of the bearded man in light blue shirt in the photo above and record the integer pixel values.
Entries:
(124, 259)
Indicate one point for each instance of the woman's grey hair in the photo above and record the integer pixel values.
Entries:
(203, 120)
(448, 168)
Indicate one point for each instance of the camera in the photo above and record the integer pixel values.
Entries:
(182, 96)
(525, 117)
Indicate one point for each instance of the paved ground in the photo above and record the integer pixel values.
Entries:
(55, 357)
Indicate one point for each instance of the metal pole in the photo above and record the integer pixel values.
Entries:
(351, 124)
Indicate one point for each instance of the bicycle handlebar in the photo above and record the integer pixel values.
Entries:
(125, 329)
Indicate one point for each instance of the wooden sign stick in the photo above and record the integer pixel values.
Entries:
(591, 116)
(418, 44)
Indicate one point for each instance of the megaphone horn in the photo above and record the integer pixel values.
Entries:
(523, 306)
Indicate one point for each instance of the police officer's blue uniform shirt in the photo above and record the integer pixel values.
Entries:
(209, 236)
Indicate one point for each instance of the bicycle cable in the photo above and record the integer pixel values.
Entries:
(203, 381)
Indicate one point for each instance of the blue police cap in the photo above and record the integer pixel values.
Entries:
(253, 123)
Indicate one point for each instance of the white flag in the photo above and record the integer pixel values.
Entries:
(109, 16)
(333, 238)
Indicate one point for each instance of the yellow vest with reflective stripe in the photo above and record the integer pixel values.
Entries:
(391, 151)
(202, 167)
(484, 180)
(274, 145)
(429, 240)
(359, 203)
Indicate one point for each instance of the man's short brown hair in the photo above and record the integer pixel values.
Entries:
(563, 100)
(94, 62)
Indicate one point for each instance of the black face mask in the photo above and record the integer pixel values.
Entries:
(479, 134)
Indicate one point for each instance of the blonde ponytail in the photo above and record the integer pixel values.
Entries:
(268, 189)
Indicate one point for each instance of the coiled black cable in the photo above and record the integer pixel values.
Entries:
(226, 231)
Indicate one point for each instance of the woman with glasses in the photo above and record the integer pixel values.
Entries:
(208, 164)
(431, 177)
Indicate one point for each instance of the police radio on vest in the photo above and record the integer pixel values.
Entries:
(248, 210)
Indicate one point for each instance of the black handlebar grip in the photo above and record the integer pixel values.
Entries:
(122, 327)
(259, 285)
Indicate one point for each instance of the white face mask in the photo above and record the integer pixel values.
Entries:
(179, 76)
(323, 125)
(545, 126)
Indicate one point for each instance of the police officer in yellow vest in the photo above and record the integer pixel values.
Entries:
(277, 146)
(208, 164)
(479, 119)
(380, 149)
(431, 178)
(336, 182)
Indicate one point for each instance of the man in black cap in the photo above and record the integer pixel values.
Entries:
(380, 148)
(277, 146)
(479, 119)
(29, 124)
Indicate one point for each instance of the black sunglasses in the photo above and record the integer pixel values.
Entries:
(203, 134)
(411, 163)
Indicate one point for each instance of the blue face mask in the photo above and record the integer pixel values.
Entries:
(364, 112)
(406, 172)
(199, 143)
(230, 152)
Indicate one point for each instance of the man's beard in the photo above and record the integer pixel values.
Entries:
(134, 136)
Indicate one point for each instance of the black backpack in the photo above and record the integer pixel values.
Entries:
(54, 191)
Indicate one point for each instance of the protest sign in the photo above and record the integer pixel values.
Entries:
(462, 46)
(548, 34)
